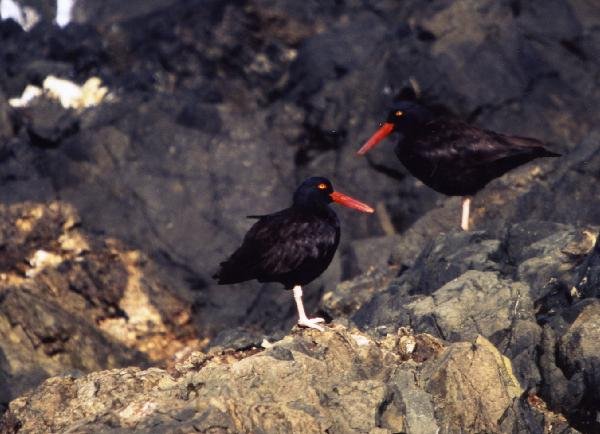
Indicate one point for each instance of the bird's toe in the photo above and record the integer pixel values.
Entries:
(311, 323)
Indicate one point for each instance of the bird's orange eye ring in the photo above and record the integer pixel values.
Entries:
(399, 113)
(322, 186)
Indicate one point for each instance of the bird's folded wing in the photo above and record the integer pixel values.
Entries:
(461, 143)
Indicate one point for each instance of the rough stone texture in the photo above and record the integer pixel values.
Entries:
(6, 127)
(579, 358)
(339, 381)
(516, 290)
(451, 307)
(460, 381)
(219, 111)
(70, 301)
(587, 281)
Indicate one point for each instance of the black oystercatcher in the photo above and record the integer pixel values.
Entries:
(292, 246)
(450, 156)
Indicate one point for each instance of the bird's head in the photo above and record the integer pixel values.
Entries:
(317, 192)
(406, 118)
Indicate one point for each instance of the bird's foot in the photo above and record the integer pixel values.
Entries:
(312, 323)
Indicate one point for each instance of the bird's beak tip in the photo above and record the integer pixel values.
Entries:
(383, 131)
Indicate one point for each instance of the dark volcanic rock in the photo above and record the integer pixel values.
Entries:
(48, 124)
(6, 126)
(516, 290)
(221, 109)
(587, 282)
(579, 357)
(217, 110)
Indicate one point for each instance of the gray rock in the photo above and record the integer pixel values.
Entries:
(370, 253)
(48, 124)
(587, 280)
(419, 410)
(449, 256)
(579, 357)
(222, 110)
(6, 126)
(347, 297)
(475, 303)
(374, 390)
(515, 289)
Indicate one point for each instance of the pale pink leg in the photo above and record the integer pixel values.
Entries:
(303, 320)
(464, 221)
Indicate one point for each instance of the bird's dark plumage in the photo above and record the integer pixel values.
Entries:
(452, 157)
(293, 246)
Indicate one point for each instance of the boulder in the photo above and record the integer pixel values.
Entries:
(74, 302)
(579, 358)
(379, 386)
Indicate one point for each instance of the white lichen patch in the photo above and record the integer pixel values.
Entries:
(69, 94)
(28, 95)
(137, 411)
(266, 344)
(361, 341)
(73, 96)
(407, 344)
(42, 259)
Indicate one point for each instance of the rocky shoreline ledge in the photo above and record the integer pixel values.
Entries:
(483, 333)
(117, 204)
(339, 381)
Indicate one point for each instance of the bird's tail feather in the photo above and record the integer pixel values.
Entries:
(534, 144)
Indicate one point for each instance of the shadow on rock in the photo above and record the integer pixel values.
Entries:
(73, 302)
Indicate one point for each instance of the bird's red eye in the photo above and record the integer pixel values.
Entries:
(399, 113)
(322, 186)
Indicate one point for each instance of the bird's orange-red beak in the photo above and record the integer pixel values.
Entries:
(350, 202)
(383, 131)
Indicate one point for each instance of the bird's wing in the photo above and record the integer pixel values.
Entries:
(276, 244)
(285, 242)
(460, 143)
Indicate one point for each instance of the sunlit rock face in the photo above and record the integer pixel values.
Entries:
(377, 388)
(74, 302)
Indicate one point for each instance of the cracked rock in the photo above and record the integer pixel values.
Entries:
(373, 390)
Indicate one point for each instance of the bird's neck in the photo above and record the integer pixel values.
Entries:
(313, 208)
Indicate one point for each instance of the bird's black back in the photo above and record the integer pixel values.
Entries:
(293, 247)
(457, 159)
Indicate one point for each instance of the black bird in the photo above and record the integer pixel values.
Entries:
(292, 246)
(450, 156)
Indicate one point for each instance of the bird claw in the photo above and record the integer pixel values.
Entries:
(311, 323)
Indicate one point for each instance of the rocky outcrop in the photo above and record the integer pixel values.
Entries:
(74, 302)
(218, 111)
(517, 290)
(339, 381)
